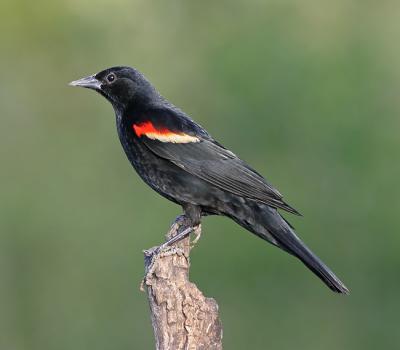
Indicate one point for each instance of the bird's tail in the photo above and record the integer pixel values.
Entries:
(280, 233)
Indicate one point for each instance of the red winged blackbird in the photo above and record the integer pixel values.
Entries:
(181, 161)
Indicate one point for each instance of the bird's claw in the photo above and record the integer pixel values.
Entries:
(197, 233)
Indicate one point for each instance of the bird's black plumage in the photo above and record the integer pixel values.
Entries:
(180, 160)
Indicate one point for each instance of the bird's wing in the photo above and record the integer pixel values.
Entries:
(211, 162)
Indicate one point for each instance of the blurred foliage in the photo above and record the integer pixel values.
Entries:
(305, 91)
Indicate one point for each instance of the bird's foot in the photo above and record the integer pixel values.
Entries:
(174, 235)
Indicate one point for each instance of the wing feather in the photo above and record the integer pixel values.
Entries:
(213, 163)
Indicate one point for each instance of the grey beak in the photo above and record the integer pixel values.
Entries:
(89, 82)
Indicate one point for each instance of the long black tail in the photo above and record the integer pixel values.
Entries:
(281, 234)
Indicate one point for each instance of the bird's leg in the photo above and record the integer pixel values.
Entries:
(174, 239)
(179, 222)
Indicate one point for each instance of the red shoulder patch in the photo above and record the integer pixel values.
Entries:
(162, 134)
(147, 127)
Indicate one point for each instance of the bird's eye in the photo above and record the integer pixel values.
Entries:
(111, 77)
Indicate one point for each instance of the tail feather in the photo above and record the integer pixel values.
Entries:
(286, 238)
(302, 252)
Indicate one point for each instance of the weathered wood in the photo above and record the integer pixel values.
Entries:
(181, 316)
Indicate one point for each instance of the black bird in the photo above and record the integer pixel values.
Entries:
(181, 161)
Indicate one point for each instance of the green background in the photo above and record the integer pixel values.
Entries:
(304, 91)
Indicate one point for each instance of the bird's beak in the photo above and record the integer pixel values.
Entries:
(89, 82)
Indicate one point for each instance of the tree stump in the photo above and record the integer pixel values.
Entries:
(182, 317)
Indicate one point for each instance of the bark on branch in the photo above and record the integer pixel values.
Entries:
(181, 316)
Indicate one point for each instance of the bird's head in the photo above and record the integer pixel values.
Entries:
(122, 86)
